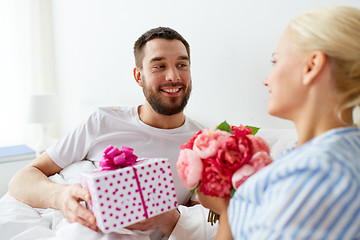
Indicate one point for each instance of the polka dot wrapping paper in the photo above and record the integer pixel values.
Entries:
(125, 196)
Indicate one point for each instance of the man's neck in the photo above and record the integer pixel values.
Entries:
(148, 116)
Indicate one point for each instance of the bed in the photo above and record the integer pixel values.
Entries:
(19, 221)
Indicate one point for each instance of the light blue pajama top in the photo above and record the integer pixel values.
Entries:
(311, 192)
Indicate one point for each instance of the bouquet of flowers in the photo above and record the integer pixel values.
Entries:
(219, 160)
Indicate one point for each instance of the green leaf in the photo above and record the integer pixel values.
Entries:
(192, 191)
(232, 191)
(224, 126)
(254, 130)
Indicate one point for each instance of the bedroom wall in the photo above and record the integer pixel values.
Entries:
(231, 45)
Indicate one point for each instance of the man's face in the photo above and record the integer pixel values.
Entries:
(165, 76)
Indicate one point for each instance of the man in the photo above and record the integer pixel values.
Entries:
(155, 129)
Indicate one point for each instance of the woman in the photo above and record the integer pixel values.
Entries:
(312, 191)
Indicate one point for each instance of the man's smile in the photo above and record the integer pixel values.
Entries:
(171, 90)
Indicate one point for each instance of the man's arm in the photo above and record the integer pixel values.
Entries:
(32, 186)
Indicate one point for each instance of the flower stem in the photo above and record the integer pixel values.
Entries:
(213, 217)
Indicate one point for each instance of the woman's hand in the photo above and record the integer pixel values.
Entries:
(219, 206)
(216, 204)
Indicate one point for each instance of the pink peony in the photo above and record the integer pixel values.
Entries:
(260, 160)
(215, 181)
(241, 175)
(240, 130)
(257, 161)
(207, 143)
(189, 167)
(259, 144)
(190, 143)
(234, 151)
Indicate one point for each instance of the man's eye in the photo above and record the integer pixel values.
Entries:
(159, 66)
(182, 65)
(273, 62)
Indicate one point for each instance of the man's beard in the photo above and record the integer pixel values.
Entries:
(162, 108)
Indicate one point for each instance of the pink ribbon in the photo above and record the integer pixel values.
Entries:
(114, 158)
(140, 192)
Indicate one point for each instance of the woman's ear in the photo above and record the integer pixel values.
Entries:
(137, 76)
(314, 64)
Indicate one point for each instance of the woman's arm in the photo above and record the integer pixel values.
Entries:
(220, 206)
(224, 231)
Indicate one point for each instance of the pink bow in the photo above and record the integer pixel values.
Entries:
(114, 158)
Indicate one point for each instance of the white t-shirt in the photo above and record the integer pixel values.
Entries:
(121, 126)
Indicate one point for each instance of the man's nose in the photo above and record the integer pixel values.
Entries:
(172, 74)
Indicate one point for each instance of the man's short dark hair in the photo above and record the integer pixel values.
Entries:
(159, 32)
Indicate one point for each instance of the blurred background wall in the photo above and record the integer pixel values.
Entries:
(81, 50)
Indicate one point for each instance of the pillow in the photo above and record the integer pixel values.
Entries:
(279, 140)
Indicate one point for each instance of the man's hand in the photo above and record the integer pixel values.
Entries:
(166, 222)
(47, 194)
(69, 204)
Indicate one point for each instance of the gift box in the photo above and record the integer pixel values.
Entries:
(125, 196)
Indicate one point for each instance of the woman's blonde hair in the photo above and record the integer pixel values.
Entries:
(335, 32)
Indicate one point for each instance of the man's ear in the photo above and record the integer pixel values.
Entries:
(313, 66)
(137, 76)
